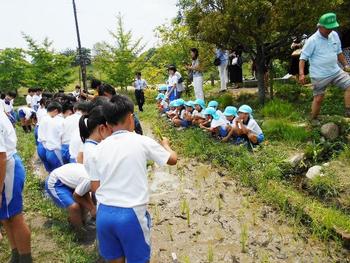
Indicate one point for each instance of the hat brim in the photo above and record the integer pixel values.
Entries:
(331, 26)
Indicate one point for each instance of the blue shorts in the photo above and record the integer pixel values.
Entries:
(124, 232)
(65, 153)
(54, 159)
(185, 123)
(12, 201)
(21, 114)
(261, 138)
(42, 155)
(72, 160)
(223, 132)
(36, 134)
(61, 194)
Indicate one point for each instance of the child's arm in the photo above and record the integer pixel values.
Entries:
(3, 160)
(86, 202)
(173, 155)
(94, 186)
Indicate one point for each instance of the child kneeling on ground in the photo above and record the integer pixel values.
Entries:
(180, 111)
(231, 129)
(120, 181)
(248, 128)
(69, 187)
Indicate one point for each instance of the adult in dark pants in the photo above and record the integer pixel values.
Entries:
(234, 68)
(140, 85)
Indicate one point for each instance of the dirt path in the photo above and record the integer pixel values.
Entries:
(202, 215)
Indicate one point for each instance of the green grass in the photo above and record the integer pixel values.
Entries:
(280, 109)
(280, 129)
(67, 249)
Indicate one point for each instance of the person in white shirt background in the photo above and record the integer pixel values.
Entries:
(27, 117)
(36, 98)
(71, 123)
(76, 92)
(12, 178)
(196, 74)
(29, 97)
(8, 106)
(222, 55)
(140, 85)
(40, 114)
(172, 82)
(120, 181)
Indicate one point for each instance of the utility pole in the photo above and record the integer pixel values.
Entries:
(81, 60)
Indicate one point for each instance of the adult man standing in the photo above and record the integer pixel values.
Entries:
(323, 51)
(140, 84)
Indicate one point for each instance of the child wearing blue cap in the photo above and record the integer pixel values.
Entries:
(163, 89)
(214, 121)
(214, 104)
(162, 104)
(172, 110)
(188, 116)
(180, 111)
(231, 130)
(198, 113)
(247, 127)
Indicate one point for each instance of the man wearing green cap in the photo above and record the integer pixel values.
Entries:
(323, 51)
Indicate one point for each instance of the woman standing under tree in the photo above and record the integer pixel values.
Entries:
(235, 69)
(196, 74)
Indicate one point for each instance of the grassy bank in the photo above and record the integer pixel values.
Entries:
(265, 170)
(48, 223)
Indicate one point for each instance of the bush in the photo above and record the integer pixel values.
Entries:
(323, 187)
(280, 109)
(281, 130)
(225, 100)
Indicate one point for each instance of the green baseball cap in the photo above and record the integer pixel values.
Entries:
(328, 21)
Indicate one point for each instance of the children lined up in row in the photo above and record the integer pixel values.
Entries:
(233, 125)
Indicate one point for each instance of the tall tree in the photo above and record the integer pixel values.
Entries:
(48, 69)
(85, 52)
(13, 68)
(263, 27)
(117, 61)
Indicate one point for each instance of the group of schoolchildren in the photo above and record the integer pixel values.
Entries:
(97, 171)
(233, 125)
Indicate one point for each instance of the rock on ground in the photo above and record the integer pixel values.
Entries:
(314, 171)
(296, 159)
(330, 131)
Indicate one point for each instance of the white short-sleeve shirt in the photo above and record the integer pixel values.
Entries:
(8, 139)
(27, 111)
(140, 84)
(40, 114)
(75, 144)
(198, 114)
(29, 100)
(54, 133)
(88, 149)
(121, 167)
(218, 123)
(71, 123)
(42, 130)
(254, 127)
(72, 175)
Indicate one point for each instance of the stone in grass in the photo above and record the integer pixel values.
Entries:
(330, 131)
(296, 159)
(314, 171)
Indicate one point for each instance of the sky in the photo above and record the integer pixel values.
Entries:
(54, 19)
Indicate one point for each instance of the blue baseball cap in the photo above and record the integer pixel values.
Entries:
(179, 102)
(230, 111)
(213, 104)
(172, 104)
(160, 96)
(246, 109)
(163, 88)
(200, 102)
(189, 103)
(211, 111)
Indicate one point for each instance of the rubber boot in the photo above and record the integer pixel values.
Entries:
(25, 258)
(14, 256)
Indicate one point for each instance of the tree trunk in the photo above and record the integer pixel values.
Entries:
(272, 76)
(260, 72)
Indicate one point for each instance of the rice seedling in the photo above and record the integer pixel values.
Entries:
(244, 238)
(188, 215)
(186, 259)
(170, 232)
(183, 206)
(219, 203)
(210, 254)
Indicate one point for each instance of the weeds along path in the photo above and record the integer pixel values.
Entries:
(52, 240)
(203, 215)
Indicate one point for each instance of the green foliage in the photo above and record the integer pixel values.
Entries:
(289, 92)
(48, 70)
(118, 62)
(85, 54)
(324, 187)
(225, 100)
(284, 131)
(13, 68)
(263, 28)
(280, 109)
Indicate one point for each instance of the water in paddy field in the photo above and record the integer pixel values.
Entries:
(201, 214)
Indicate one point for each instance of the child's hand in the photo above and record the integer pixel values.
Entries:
(225, 139)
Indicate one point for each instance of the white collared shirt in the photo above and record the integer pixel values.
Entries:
(27, 111)
(8, 139)
(54, 133)
(71, 123)
(140, 84)
(120, 164)
(40, 114)
(75, 144)
(29, 100)
(42, 130)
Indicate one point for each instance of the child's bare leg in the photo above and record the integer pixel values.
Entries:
(253, 138)
(75, 215)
